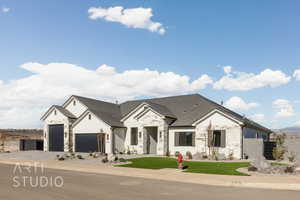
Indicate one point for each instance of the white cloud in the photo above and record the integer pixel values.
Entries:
(258, 117)
(296, 75)
(227, 69)
(297, 124)
(241, 81)
(130, 17)
(24, 100)
(238, 104)
(5, 10)
(283, 108)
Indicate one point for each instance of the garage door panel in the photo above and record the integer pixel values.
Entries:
(86, 143)
(56, 137)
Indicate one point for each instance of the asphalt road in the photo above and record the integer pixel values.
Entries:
(85, 186)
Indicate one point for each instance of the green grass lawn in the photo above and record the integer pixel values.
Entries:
(223, 168)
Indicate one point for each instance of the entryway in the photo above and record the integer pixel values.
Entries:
(151, 140)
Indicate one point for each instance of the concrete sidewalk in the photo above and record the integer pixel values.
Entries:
(262, 182)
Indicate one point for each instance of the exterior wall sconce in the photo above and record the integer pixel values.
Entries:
(107, 137)
(160, 134)
(140, 134)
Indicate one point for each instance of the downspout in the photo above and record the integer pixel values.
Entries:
(242, 150)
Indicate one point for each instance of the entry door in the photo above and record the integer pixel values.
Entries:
(56, 137)
(152, 140)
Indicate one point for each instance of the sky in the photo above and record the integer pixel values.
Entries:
(245, 54)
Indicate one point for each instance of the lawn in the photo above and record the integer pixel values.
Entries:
(222, 168)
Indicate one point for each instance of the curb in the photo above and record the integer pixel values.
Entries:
(164, 174)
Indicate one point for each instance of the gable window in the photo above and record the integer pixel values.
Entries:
(74, 103)
(90, 116)
(134, 136)
(219, 138)
(55, 113)
(184, 138)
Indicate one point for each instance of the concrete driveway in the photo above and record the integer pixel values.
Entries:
(77, 185)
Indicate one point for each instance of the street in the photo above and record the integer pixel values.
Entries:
(85, 186)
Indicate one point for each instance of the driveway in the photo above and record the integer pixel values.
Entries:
(77, 185)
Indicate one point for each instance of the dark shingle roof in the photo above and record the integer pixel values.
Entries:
(108, 112)
(186, 109)
(65, 112)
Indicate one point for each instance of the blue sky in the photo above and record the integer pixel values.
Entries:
(201, 37)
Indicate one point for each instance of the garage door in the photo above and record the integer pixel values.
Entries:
(89, 143)
(56, 137)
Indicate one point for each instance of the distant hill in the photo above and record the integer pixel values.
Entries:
(290, 131)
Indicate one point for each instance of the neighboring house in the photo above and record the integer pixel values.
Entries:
(148, 126)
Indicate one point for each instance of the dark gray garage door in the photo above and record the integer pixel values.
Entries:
(89, 143)
(56, 137)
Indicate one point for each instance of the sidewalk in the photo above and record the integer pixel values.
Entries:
(262, 182)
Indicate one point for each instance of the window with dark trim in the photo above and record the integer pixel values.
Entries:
(184, 138)
(134, 136)
(219, 138)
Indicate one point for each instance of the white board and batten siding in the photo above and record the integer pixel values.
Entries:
(76, 108)
(53, 119)
(94, 125)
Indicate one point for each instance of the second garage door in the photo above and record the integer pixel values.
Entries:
(89, 143)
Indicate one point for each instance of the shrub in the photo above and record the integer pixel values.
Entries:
(61, 158)
(252, 168)
(80, 157)
(278, 153)
(289, 169)
(105, 160)
(168, 153)
(91, 154)
(189, 155)
(230, 156)
(292, 156)
(122, 160)
(279, 150)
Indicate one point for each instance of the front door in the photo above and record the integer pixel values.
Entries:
(151, 140)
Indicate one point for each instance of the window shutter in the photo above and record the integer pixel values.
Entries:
(193, 139)
(176, 139)
(223, 138)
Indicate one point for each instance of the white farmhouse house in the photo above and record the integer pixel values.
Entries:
(150, 126)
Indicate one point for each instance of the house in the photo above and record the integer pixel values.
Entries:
(149, 126)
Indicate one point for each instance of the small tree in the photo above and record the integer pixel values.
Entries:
(280, 149)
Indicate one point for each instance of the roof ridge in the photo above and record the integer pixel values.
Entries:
(88, 98)
(165, 97)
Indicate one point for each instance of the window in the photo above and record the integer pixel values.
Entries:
(90, 116)
(55, 113)
(219, 138)
(185, 139)
(134, 136)
(74, 103)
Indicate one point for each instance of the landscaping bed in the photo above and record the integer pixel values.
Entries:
(221, 168)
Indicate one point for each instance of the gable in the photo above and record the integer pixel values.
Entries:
(217, 119)
(74, 106)
(55, 115)
(92, 124)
